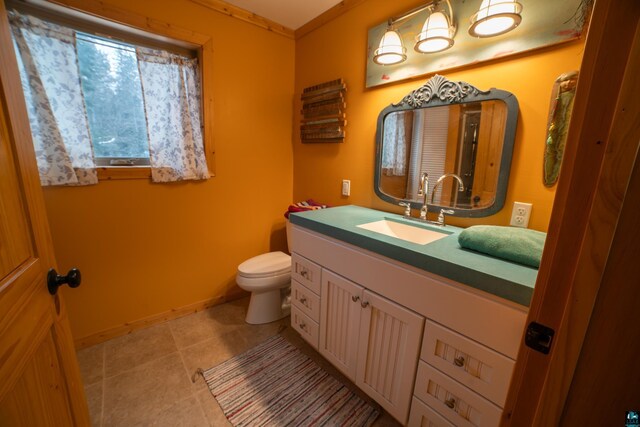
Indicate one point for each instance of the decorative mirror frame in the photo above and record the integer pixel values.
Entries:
(439, 91)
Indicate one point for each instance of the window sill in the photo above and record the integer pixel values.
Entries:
(123, 172)
(110, 173)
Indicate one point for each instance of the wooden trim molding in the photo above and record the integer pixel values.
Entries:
(101, 9)
(246, 16)
(128, 172)
(155, 319)
(343, 7)
(592, 185)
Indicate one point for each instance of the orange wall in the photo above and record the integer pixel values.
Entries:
(146, 248)
(338, 49)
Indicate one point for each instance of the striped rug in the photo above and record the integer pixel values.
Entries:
(274, 384)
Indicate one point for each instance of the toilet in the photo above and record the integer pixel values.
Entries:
(268, 278)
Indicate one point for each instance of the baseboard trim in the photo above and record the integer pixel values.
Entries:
(155, 319)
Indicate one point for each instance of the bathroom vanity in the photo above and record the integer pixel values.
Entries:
(430, 331)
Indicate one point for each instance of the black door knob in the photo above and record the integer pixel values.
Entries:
(54, 280)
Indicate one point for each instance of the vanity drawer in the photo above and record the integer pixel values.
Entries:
(476, 366)
(305, 326)
(305, 300)
(423, 416)
(452, 400)
(305, 272)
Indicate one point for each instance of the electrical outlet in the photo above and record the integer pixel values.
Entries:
(520, 214)
(346, 187)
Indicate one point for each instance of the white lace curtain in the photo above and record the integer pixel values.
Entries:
(171, 92)
(50, 76)
(394, 156)
(51, 84)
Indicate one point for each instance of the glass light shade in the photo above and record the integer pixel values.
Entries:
(391, 50)
(436, 35)
(495, 17)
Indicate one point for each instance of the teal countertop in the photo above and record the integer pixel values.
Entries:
(443, 257)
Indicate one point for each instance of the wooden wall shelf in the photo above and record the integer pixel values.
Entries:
(323, 116)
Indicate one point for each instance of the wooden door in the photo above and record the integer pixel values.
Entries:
(490, 142)
(340, 322)
(40, 382)
(388, 352)
(601, 150)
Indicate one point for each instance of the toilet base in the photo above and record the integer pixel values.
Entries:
(266, 307)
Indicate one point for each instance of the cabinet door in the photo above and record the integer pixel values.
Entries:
(340, 321)
(388, 351)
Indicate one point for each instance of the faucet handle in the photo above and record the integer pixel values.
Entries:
(407, 208)
(442, 213)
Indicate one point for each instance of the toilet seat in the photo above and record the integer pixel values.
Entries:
(271, 264)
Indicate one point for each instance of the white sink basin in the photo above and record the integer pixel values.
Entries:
(402, 231)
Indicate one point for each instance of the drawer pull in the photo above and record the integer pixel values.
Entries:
(451, 403)
(355, 298)
(364, 304)
(459, 361)
(305, 274)
(303, 300)
(303, 326)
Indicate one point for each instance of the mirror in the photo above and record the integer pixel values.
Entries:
(447, 127)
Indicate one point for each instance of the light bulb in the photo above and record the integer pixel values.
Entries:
(495, 17)
(391, 50)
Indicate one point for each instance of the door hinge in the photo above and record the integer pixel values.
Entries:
(539, 337)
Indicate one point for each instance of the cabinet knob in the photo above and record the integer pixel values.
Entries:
(303, 300)
(364, 304)
(303, 326)
(355, 298)
(459, 361)
(451, 403)
(304, 273)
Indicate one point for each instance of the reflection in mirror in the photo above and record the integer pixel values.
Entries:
(471, 138)
(464, 139)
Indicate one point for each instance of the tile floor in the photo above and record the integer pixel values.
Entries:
(144, 378)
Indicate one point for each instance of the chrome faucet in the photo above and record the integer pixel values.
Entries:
(407, 209)
(424, 191)
(433, 194)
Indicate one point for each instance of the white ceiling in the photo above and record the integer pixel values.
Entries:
(290, 13)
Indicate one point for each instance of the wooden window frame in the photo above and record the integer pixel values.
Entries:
(202, 44)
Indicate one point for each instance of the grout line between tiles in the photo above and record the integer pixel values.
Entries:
(149, 361)
(184, 365)
(204, 414)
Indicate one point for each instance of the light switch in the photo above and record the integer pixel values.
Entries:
(346, 187)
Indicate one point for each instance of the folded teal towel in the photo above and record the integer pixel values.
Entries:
(515, 244)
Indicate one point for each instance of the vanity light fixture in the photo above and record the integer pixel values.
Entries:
(436, 35)
(495, 17)
(391, 50)
(438, 29)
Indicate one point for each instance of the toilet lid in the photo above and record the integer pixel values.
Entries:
(266, 265)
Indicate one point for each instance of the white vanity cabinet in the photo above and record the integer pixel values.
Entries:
(388, 348)
(305, 298)
(372, 340)
(429, 350)
(340, 315)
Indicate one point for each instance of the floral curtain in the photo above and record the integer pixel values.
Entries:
(395, 153)
(51, 82)
(171, 91)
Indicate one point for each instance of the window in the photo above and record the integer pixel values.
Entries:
(98, 99)
(113, 100)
